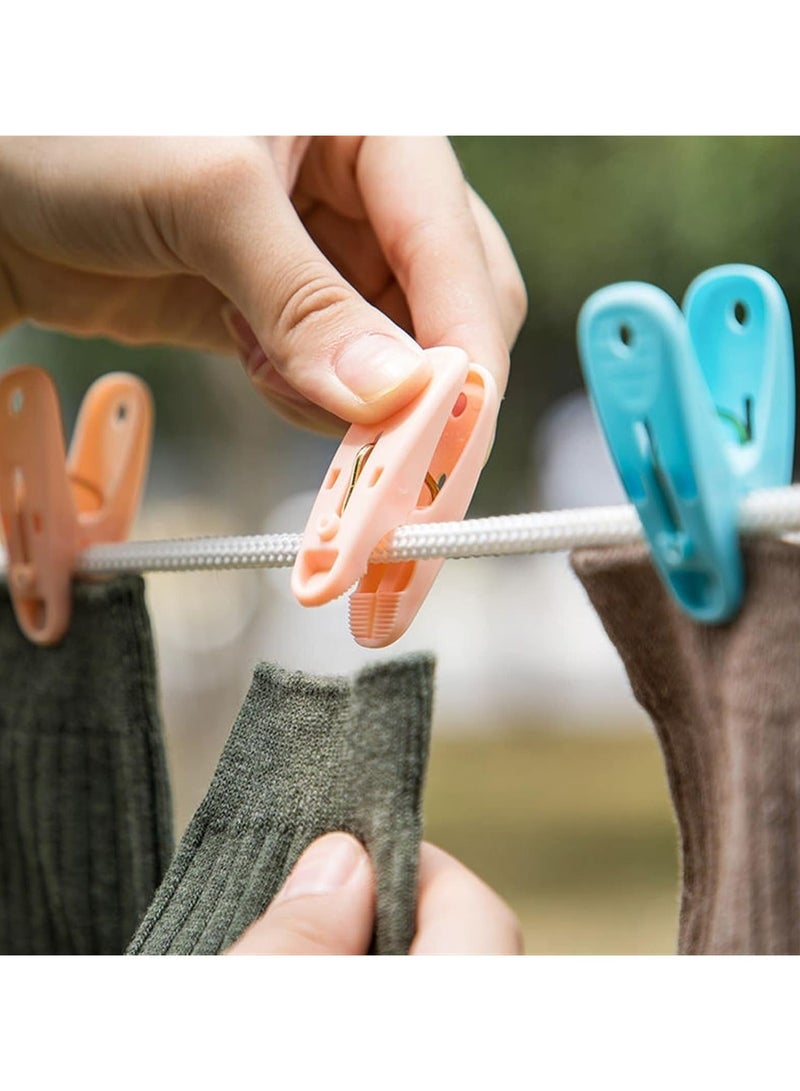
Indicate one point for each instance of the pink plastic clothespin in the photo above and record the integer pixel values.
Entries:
(419, 466)
(51, 507)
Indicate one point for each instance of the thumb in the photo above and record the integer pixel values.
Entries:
(325, 907)
(316, 334)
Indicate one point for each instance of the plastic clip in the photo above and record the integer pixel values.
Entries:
(740, 327)
(696, 409)
(51, 507)
(421, 465)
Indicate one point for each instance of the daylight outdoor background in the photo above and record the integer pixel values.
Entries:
(545, 777)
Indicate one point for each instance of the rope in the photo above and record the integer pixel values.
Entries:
(772, 512)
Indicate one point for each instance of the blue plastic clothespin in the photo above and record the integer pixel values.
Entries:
(697, 408)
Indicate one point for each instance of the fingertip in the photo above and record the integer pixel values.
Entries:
(364, 380)
(327, 865)
(325, 907)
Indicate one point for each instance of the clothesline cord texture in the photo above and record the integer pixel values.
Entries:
(765, 512)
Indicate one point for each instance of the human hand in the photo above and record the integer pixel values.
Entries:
(326, 262)
(327, 907)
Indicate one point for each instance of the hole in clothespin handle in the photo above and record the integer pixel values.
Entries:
(740, 312)
(16, 402)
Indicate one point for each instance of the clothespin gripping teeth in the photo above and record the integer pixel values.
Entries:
(419, 465)
(50, 508)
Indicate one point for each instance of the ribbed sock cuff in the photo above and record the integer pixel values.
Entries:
(306, 756)
(85, 814)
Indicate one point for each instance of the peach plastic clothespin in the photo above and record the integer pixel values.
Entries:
(421, 465)
(52, 508)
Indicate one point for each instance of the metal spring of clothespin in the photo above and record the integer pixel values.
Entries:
(697, 407)
(421, 465)
(53, 506)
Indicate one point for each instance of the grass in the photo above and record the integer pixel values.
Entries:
(574, 830)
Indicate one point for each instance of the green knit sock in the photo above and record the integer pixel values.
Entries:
(85, 818)
(306, 756)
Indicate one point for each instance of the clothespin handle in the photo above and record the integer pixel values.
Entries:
(51, 509)
(38, 514)
(741, 331)
(389, 596)
(372, 484)
(109, 456)
(421, 465)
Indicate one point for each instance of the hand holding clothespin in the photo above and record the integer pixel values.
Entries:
(52, 507)
(698, 408)
(420, 465)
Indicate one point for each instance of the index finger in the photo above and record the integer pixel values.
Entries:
(416, 198)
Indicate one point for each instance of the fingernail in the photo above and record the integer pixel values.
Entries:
(326, 866)
(239, 329)
(375, 364)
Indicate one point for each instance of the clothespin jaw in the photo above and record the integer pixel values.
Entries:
(420, 465)
(52, 508)
(38, 516)
(109, 457)
(665, 436)
(741, 330)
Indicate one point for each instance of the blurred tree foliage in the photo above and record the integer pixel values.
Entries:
(580, 212)
(583, 212)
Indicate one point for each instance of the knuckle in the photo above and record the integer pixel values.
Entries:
(222, 174)
(195, 194)
(313, 295)
(424, 238)
(230, 168)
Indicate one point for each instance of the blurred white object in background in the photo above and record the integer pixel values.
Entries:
(571, 464)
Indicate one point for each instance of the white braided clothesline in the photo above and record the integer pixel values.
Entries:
(771, 512)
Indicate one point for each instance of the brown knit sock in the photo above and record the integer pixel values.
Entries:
(725, 702)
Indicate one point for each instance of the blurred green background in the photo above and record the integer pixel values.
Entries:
(585, 212)
(569, 822)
